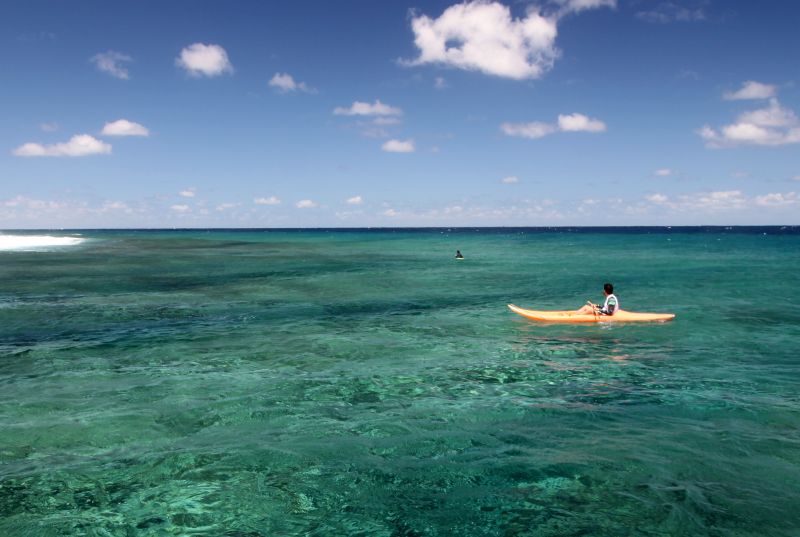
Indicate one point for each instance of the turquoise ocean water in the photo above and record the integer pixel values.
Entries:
(260, 383)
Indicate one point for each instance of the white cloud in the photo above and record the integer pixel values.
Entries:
(110, 62)
(579, 122)
(123, 127)
(349, 215)
(204, 60)
(576, 6)
(188, 193)
(49, 127)
(23, 212)
(180, 208)
(535, 129)
(774, 125)
(773, 116)
(746, 132)
(305, 204)
(666, 12)
(483, 36)
(384, 120)
(524, 211)
(32, 37)
(662, 172)
(29, 203)
(510, 180)
(372, 131)
(377, 127)
(359, 108)
(111, 206)
(566, 123)
(225, 206)
(285, 83)
(587, 206)
(272, 200)
(355, 200)
(79, 145)
(398, 146)
(777, 199)
(720, 202)
(657, 198)
(751, 90)
(724, 200)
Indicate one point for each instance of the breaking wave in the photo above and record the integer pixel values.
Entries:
(36, 242)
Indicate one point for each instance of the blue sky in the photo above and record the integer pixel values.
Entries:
(363, 113)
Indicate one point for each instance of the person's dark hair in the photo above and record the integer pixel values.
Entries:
(608, 288)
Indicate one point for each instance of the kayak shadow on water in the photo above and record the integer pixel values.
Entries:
(598, 343)
(571, 347)
(528, 339)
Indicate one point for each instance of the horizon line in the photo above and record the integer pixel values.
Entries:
(410, 228)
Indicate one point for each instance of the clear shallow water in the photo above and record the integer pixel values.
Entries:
(250, 383)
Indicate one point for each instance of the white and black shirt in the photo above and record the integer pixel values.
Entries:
(611, 305)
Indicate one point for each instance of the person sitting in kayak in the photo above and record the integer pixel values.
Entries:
(610, 307)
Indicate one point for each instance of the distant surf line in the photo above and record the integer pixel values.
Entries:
(36, 242)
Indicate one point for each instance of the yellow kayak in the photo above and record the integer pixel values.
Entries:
(621, 316)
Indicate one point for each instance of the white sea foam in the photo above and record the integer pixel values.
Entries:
(35, 242)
